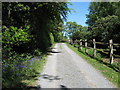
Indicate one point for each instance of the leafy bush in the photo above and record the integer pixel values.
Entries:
(25, 30)
(37, 52)
(16, 66)
(51, 39)
(15, 36)
(106, 28)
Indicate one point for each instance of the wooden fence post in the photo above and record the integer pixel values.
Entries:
(71, 42)
(94, 43)
(74, 43)
(77, 43)
(111, 50)
(80, 44)
(86, 50)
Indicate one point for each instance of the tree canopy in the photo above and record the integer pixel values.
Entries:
(104, 21)
(75, 31)
(29, 29)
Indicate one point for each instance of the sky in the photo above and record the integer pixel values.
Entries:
(79, 16)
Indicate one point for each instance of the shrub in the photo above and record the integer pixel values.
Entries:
(51, 39)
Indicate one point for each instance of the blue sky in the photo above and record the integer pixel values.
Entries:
(79, 16)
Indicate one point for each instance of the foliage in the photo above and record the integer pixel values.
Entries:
(58, 30)
(13, 35)
(23, 14)
(75, 31)
(102, 9)
(106, 28)
(64, 39)
(79, 35)
(51, 39)
(18, 68)
(58, 36)
(28, 29)
(15, 67)
(104, 21)
(71, 27)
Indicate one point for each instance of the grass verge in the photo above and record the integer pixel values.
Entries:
(108, 72)
(37, 69)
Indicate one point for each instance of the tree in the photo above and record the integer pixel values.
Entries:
(106, 28)
(28, 29)
(76, 31)
(101, 9)
(104, 20)
(40, 16)
(71, 27)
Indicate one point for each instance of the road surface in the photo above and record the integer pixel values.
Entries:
(65, 69)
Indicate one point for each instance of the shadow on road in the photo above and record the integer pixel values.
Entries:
(50, 77)
(24, 88)
(62, 87)
(52, 51)
(38, 87)
(32, 88)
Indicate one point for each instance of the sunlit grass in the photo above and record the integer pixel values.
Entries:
(37, 67)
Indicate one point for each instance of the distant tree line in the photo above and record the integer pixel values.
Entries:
(103, 23)
(75, 31)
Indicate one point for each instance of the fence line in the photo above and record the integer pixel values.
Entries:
(110, 45)
(111, 51)
(94, 43)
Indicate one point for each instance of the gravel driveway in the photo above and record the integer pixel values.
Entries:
(65, 69)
